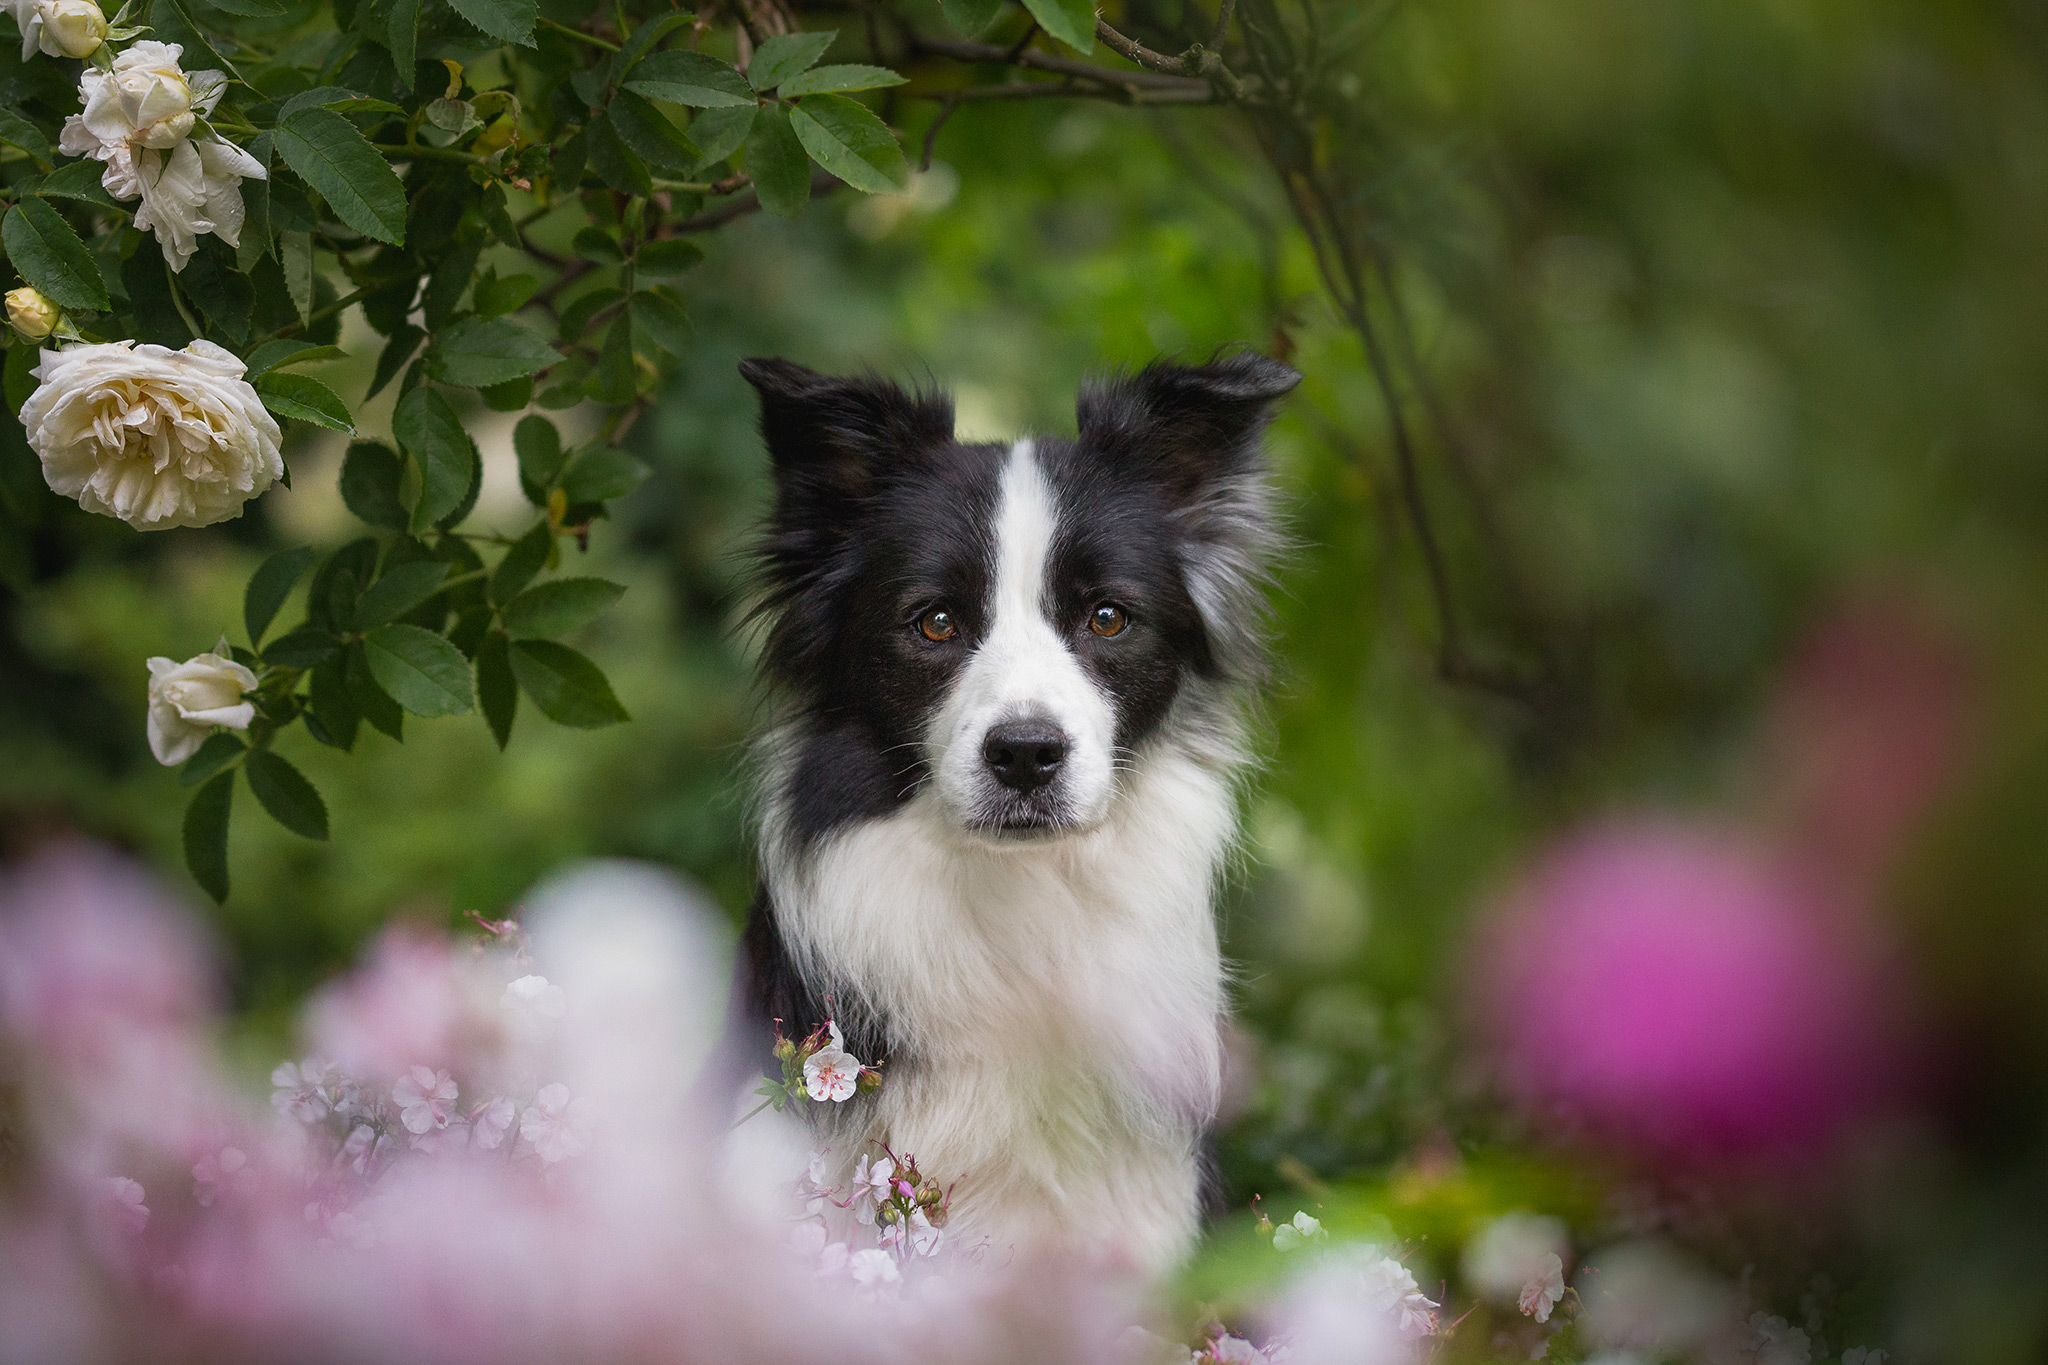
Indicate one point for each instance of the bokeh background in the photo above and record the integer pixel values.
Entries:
(1735, 447)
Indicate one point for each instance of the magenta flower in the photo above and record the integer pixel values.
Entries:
(1671, 986)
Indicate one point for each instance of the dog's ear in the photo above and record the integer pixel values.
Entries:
(1193, 430)
(830, 438)
(1190, 426)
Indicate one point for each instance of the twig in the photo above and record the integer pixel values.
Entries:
(1039, 61)
(931, 134)
(578, 34)
(821, 183)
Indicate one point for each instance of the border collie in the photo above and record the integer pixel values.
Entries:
(1001, 787)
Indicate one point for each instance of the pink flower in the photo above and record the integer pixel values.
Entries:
(490, 1124)
(874, 1270)
(557, 1126)
(1542, 1292)
(425, 1099)
(871, 1182)
(301, 1090)
(1672, 986)
(219, 1173)
(123, 1198)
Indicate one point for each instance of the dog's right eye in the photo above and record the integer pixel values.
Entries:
(937, 625)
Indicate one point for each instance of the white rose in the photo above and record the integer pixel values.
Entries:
(188, 701)
(194, 188)
(153, 436)
(58, 28)
(147, 100)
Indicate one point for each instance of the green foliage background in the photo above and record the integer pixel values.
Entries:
(1738, 308)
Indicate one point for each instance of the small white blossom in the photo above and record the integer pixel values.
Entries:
(874, 1270)
(811, 1184)
(1390, 1289)
(1542, 1292)
(156, 437)
(1298, 1233)
(834, 1259)
(491, 1123)
(831, 1073)
(871, 1186)
(557, 1126)
(536, 995)
(426, 1099)
(301, 1091)
(189, 701)
(1229, 1350)
(1774, 1341)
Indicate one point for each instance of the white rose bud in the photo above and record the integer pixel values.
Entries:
(153, 436)
(32, 313)
(75, 27)
(189, 701)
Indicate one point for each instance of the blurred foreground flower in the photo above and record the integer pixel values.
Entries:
(1673, 987)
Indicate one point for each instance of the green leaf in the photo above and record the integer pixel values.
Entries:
(330, 702)
(79, 180)
(475, 351)
(782, 56)
(494, 297)
(672, 257)
(539, 448)
(691, 78)
(970, 16)
(576, 317)
(206, 835)
(355, 179)
(402, 34)
(148, 282)
(558, 607)
(420, 670)
(615, 379)
(847, 140)
(429, 431)
(295, 260)
(224, 295)
(284, 791)
(268, 587)
(322, 97)
(405, 339)
(304, 397)
(256, 240)
(497, 691)
(618, 165)
(17, 131)
(372, 702)
(172, 22)
(525, 559)
(647, 131)
(597, 246)
(646, 36)
(508, 20)
(568, 688)
(825, 79)
(370, 475)
(403, 587)
(514, 395)
(600, 474)
(777, 161)
(50, 256)
(659, 316)
(719, 133)
(217, 751)
(302, 647)
(250, 9)
(1070, 21)
(272, 355)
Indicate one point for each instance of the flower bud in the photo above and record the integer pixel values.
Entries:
(76, 26)
(32, 314)
(784, 1049)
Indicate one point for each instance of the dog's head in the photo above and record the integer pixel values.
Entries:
(1003, 626)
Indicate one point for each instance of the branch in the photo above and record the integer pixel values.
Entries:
(822, 182)
(991, 55)
(1195, 60)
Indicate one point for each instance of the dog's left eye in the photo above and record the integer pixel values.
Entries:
(1108, 620)
(937, 625)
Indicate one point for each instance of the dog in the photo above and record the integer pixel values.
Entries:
(1001, 783)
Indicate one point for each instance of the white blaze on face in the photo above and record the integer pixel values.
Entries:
(1023, 669)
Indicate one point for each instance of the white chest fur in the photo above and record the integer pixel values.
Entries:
(1055, 1005)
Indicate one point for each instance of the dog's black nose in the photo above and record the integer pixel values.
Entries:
(1024, 754)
